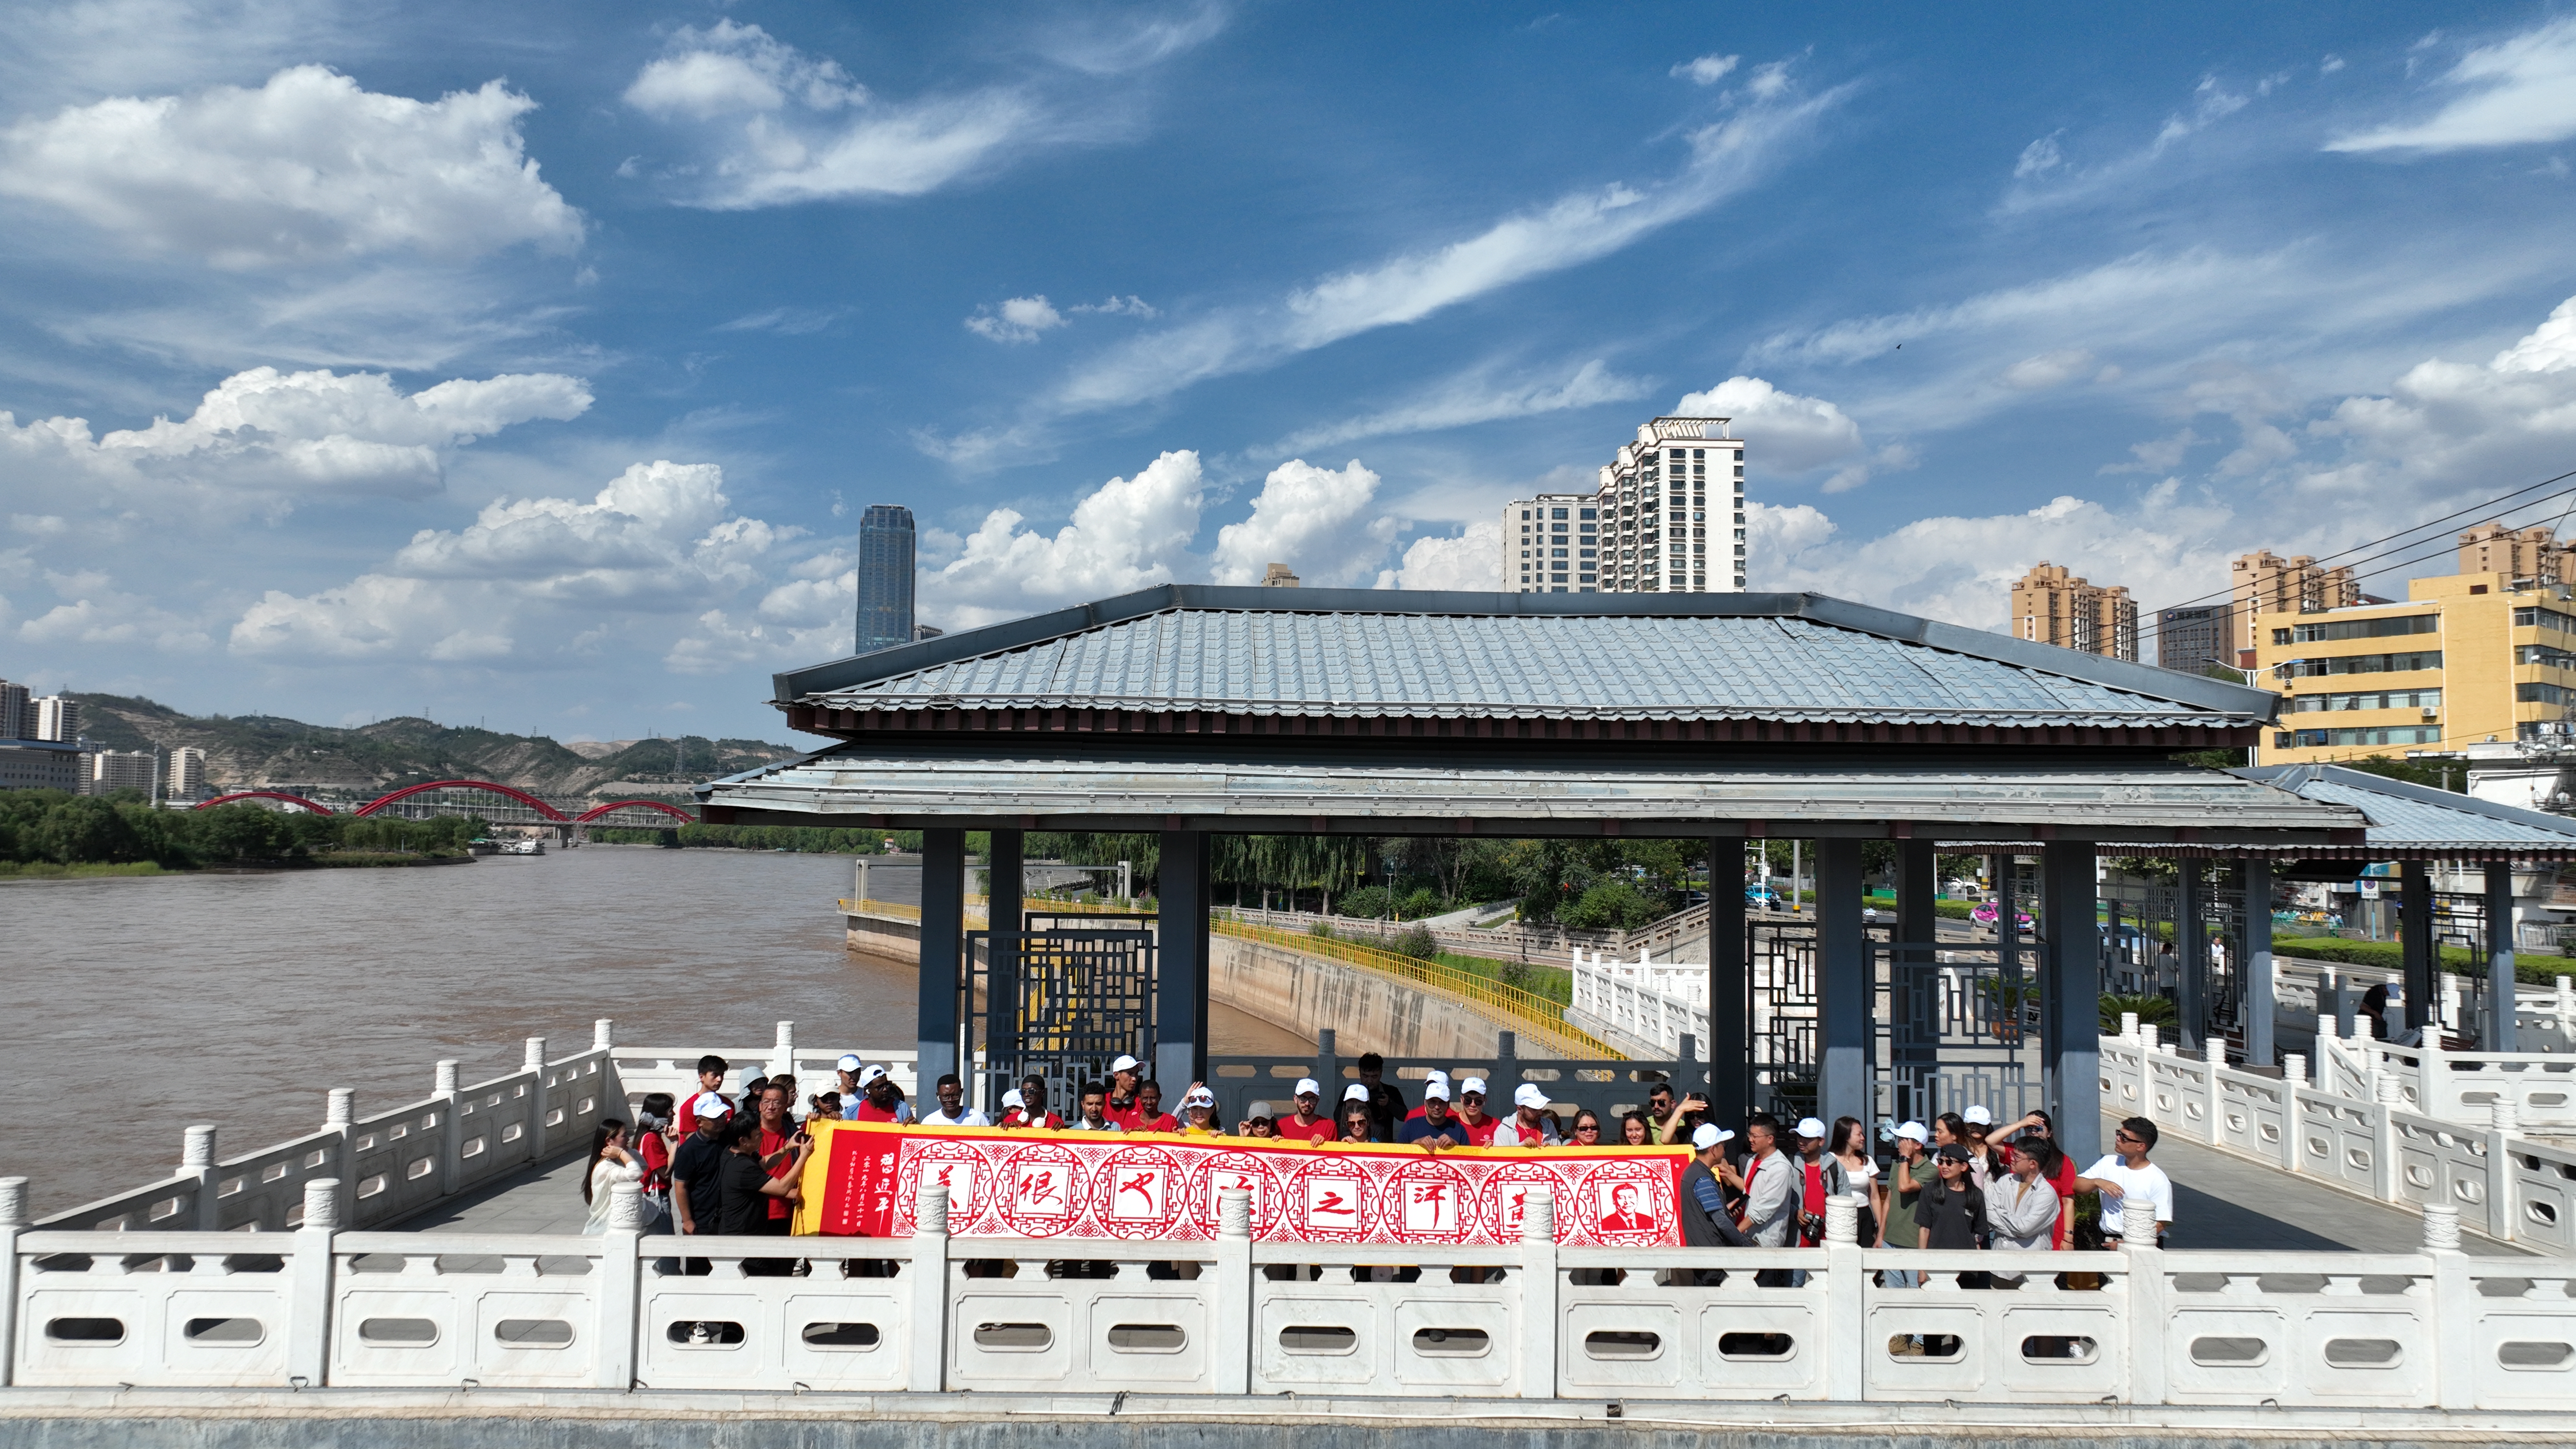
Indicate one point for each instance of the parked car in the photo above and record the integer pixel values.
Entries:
(1985, 914)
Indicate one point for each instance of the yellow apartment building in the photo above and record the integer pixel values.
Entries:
(2465, 659)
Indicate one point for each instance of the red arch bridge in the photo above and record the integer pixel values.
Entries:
(522, 806)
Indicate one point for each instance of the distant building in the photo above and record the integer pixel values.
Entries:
(57, 719)
(2050, 605)
(1654, 525)
(17, 719)
(924, 631)
(187, 774)
(39, 765)
(2263, 582)
(2193, 639)
(885, 577)
(1278, 577)
(112, 770)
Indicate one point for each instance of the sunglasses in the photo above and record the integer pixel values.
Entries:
(2126, 1137)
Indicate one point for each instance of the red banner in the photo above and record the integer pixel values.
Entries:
(865, 1179)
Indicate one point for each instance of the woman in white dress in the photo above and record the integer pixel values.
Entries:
(610, 1164)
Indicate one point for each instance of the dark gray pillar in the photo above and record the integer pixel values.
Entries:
(2421, 955)
(943, 939)
(2191, 946)
(1002, 952)
(2070, 998)
(1845, 1006)
(2256, 988)
(1914, 1033)
(1730, 1033)
(2500, 982)
(1180, 966)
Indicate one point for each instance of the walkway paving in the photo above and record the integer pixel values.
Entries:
(540, 1199)
(2216, 1199)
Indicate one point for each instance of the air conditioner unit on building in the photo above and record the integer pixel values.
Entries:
(2432, 712)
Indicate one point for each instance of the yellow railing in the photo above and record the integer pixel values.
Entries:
(1517, 1007)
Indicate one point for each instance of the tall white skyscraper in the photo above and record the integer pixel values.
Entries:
(187, 774)
(57, 719)
(1667, 518)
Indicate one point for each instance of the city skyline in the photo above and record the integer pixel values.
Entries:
(559, 385)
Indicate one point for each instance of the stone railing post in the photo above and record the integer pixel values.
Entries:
(1846, 1303)
(1231, 1305)
(197, 1160)
(2148, 1297)
(2432, 1076)
(340, 1118)
(310, 1270)
(2294, 1115)
(927, 1345)
(2387, 1095)
(619, 1287)
(13, 1221)
(2212, 1067)
(2504, 1206)
(535, 1061)
(451, 1132)
(782, 1057)
(2129, 1026)
(2567, 1009)
(2456, 1343)
(1538, 1295)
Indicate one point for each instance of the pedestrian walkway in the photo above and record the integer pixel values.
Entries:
(545, 1198)
(2221, 1201)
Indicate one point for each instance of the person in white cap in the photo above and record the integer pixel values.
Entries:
(848, 1070)
(1308, 1123)
(1705, 1221)
(1012, 1113)
(1985, 1165)
(1912, 1172)
(880, 1100)
(1814, 1189)
(1198, 1112)
(1358, 1124)
(697, 1165)
(1428, 1078)
(1123, 1075)
(1472, 1115)
(1436, 1128)
(1531, 1124)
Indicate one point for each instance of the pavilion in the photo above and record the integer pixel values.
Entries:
(1191, 711)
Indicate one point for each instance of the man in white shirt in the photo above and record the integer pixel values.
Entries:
(953, 1111)
(1771, 1186)
(1530, 1124)
(2124, 1171)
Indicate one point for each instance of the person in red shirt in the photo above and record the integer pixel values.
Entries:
(1149, 1115)
(1472, 1114)
(778, 1155)
(1027, 1107)
(653, 1150)
(1305, 1125)
(1121, 1107)
(711, 1075)
(1811, 1170)
(882, 1100)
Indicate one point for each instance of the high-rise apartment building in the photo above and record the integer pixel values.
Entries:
(2193, 639)
(187, 774)
(1654, 523)
(17, 716)
(111, 770)
(2263, 582)
(885, 577)
(2050, 605)
(57, 719)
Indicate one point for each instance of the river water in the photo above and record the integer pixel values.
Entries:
(240, 1000)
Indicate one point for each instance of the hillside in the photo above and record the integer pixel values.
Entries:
(243, 751)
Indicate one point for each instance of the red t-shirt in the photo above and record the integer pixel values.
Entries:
(1125, 1116)
(1479, 1134)
(770, 1142)
(1016, 1118)
(871, 1112)
(1137, 1122)
(1815, 1200)
(688, 1118)
(2064, 1182)
(657, 1161)
(1291, 1130)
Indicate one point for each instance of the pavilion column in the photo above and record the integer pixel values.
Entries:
(1913, 1028)
(2421, 956)
(2500, 980)
(1003, 897)
(1180, 964)
(1844, 1004)
(2191, 941)
(2257, 954)
(943, 938)
(2070, 997)
(1730, 1034)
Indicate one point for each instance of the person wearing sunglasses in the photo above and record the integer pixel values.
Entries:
(2125, 1170)
(1587, 1128)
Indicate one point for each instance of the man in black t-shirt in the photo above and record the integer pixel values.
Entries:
(744, 1189)
(694, 1197)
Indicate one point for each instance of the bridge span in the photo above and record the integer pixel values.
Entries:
(637, 813)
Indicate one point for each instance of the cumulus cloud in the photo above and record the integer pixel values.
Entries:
(1312, 519)
(1782, 430)
(99, 615)
(1127, 534)
(1475, 396)
(288, 434)
(306, 167)
(765, 124)
(1707, 70)
(1019, 319)
(1471, 562)
(2517, 92)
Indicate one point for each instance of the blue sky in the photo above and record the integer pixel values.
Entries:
(531, 364)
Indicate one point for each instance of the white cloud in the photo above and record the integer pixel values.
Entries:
(1475, 396)
(1708, 70)
(307, 167)
(2517, 92)
(2039, 158)
(1311, 519)
(1726, 159)
(1019, 319)
(767, 125)
(786, 321)
(1127, 534)
(1470, 562)
(288, 434)
(2048, 369)
(100, 616)
(1782, 430)
(1769, 81)
(1112, 47)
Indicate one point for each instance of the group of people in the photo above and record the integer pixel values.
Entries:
(709, 1164)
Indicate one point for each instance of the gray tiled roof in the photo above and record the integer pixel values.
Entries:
(1768, 666)
(2408, 819)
